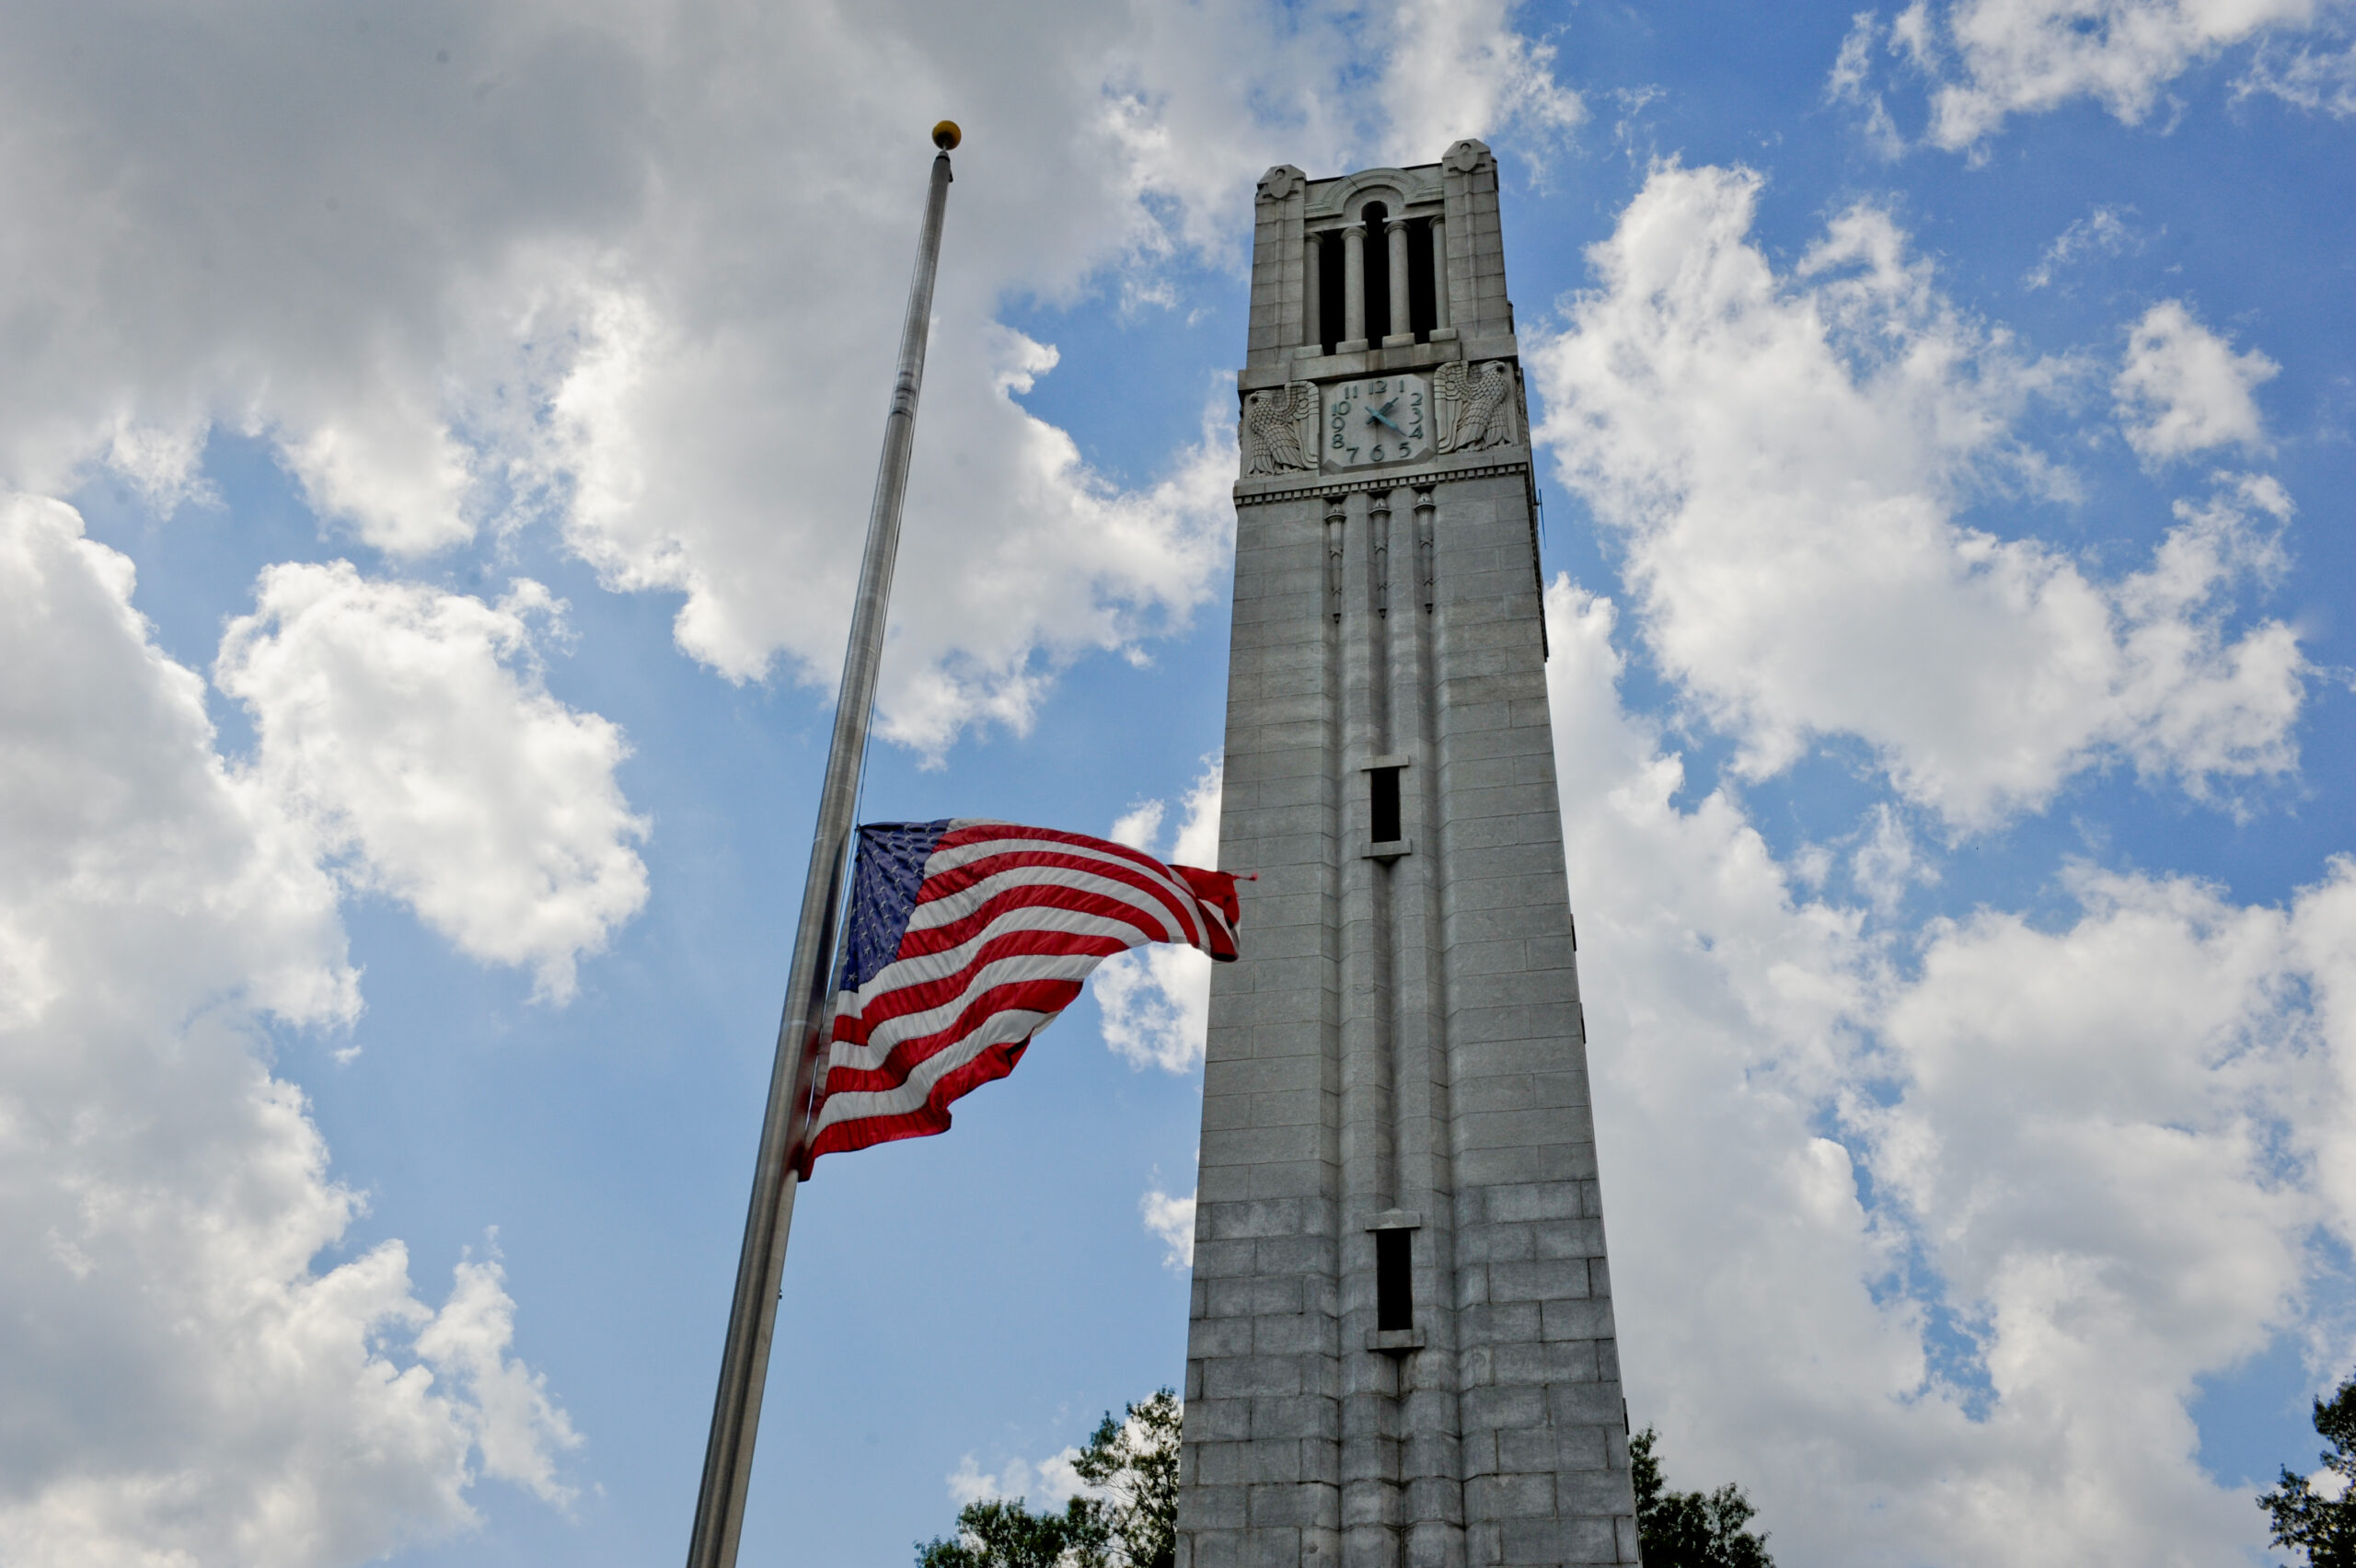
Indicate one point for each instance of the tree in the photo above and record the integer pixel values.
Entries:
(1134, 1462)
(1128, 1518)
(1686, 1530)
(999, 1533)
(2304, 1519)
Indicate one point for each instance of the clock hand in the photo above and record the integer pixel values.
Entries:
(1383, 414)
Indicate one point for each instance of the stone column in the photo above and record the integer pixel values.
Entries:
(1430, 1451)
(1369, 1388)
(1402, 322)
(1440, 327)
(1352, 289)
(1313, 302)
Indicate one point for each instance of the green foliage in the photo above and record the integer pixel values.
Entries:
(1135, 1462)
(1686, 1530)
(1003, 1534)
(1131, 1465)
(2305, 1521)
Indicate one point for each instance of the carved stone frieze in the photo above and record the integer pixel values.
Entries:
(1467, 156)
(1279, 183)
(1279, 430)
(1475, 406)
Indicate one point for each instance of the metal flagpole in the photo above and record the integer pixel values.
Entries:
(744, 1364)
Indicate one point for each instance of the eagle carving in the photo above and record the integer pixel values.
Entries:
(1474, 404)
(1273, 421)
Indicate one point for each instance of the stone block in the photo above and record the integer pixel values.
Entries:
(1498, 1322)
(1220, 1464)
(1533, 1201)
(1277, 1547)
(1578, 1319)
(1215, 1548)
(1287, 1179)
(1586, 1404)
(1217, 1421)
(1586, 1448)
(1551, 1162)
(1511, 1495)
(1293, 1334)
(1249, 1297)
(1549, 1361)
(1224, 1260)
(1221, 1336)
(1593, 1492)
(1274, 1468)
(1244, 1376)
(1216, 1508)
(1298, 1418)
(1572, 1239)
(1529, 1449)
(1501, 1408)
(1539, 1281)
(1589, 1540)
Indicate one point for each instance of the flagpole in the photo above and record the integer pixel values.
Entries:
(744, 1364)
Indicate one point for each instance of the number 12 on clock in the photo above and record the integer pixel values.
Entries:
(1384, 419)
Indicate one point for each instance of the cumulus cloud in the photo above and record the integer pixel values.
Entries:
(1155, 1001)
(1048, 1485)
(1171, 1218)
(1937, 1230)
(2183, 389)
(1457, 68)
(1989, 59)
(592, 265)
(182, 1377)
(1785, 461)
(411, 728)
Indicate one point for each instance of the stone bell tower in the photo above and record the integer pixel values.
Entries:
(1402, 1351)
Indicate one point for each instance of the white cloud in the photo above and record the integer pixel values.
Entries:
(1888, 862)
(2104, 231)
(411, 728)
(1048, 1485)
(184, 1376)
(1139, 825)
(518, 1429)
(2315, 82)
(2098, 1147)
(1851, 81)
(1171, 1219)
(1155, 1001)
(1457, 68)
(1992, 59)
(1785, 459)
(2182, 388)
(582, 264)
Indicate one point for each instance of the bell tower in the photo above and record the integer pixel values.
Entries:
(1400, 1352)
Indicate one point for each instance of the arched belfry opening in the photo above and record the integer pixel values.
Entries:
(1376, 219)
(1402, 1351)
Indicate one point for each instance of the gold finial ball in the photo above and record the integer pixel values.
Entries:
(946, 135)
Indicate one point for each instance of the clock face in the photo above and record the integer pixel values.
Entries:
(1378, 418)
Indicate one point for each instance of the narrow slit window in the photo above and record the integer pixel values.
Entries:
(1332, 281)
(1394, 1290)
(1377, 218)
(1421, 312)
(1386, 803)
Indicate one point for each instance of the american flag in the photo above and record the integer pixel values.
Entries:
(966, 937)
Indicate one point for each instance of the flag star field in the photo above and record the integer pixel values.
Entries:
(435, 442)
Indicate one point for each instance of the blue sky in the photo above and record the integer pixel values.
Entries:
(432, 459)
